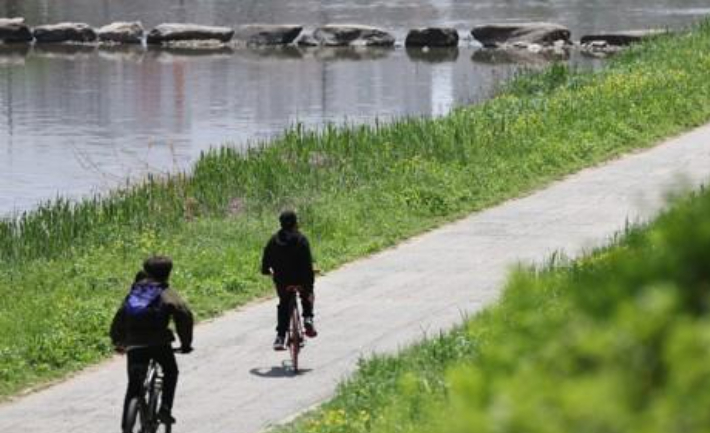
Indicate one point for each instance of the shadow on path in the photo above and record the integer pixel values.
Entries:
(280, 372)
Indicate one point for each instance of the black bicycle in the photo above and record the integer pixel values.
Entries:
(142, 413)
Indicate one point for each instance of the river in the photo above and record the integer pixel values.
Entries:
(76, 120)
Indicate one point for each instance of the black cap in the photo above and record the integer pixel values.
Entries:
(288, 219)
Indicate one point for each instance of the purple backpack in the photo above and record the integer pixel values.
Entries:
(144, 299)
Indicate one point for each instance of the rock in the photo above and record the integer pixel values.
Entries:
(534, 48)
(166, 33)
(496, 35)
(621, 38)
(122, 33)
(341, 35)
(64, 32)
(432, 37)
(307, 40)
(257, 34)
(14, 30)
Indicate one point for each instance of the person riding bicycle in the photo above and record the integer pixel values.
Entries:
(287, 258)
(140, 329)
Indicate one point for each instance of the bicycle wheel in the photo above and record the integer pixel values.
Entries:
(294, 340)
(157, 426)
(163, 428)
(156, 396)
(134, 417)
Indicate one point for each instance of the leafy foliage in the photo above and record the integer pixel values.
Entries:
(618, 341)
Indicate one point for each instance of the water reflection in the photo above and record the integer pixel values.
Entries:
(13, 54)
(346, 53)
(76, 118)
(518, 57)
(433, 55)
(72, 52)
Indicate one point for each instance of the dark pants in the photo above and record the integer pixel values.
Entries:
(138, 360)
(285, 299)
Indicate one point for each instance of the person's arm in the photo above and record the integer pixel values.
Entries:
(308, 262)
(184, 320)
(118, 328)
(266, 268)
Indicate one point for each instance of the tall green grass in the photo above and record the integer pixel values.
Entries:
(618, 341)
(64, 266)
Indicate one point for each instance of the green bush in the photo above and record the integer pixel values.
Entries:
(615, 342)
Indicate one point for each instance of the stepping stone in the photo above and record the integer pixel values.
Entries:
(432, 37)
(14, 30)
(64, 32)
(340, 35)
(497, 35)
(264, 34)
(122, 33)
(166, 33)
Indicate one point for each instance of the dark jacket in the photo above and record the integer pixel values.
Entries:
(288, 254)
(152, 329)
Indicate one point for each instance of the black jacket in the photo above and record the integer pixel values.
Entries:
(288, 254)
(153, 330)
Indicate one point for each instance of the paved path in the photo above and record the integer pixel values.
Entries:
(234, 383)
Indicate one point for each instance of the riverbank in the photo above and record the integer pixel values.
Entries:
(358, 191)
(615, 341)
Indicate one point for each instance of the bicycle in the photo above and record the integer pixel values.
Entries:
(295, 337)
(142, 413)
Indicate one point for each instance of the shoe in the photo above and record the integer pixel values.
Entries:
(279, 343)
(165, 417)
(310, 328)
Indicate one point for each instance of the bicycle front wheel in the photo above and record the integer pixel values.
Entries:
(133, 423)
(164, 428)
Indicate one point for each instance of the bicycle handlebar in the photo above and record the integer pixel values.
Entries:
(122, 350)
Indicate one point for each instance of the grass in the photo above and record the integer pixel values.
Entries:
(617, 341)
(65, 266)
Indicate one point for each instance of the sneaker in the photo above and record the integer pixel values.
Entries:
(165, 417)
(279, 343)
(310, 329)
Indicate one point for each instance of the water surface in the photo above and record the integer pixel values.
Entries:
(79, 119)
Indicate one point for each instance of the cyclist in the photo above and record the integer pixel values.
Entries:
(140, 329)
(287, 258)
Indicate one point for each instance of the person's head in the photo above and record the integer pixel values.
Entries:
(158, 268)
(288, 220)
